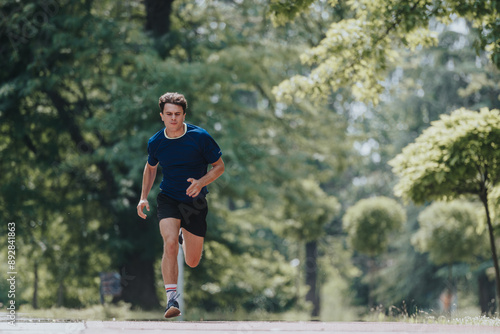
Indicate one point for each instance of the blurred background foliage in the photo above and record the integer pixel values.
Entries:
(78, 101)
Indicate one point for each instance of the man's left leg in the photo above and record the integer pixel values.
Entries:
(192, 246)
(194, 228)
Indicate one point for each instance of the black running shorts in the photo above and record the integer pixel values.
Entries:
(192, 215)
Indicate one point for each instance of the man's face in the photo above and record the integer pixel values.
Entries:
(173, 117)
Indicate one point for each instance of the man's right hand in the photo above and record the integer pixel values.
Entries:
(142, 203)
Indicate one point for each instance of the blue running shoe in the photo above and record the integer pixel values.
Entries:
(172, 309)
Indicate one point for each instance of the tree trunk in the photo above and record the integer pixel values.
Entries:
(158, 16)
(486, 295)
(371, 274)
(34, 302)
(484, 199)
(60, 295)
(312, 276)
(138, 283)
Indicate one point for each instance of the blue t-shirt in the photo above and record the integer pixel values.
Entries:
(181, 158)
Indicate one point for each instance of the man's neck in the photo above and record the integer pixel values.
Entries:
(176, 134)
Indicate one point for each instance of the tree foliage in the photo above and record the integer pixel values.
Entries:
(360, 47)
(59, 112)
(457, 155)
(451, 232)
(306, 209)
(370, 222)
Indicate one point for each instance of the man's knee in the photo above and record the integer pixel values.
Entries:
(192, 262)
(170, 246)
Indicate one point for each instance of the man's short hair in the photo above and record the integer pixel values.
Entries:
(172, 98)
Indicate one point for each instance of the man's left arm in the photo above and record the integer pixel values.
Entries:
(196, 185)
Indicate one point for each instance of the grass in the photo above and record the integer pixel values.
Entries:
(123, 312)
(464, 316)
(99, 312)
(482, 320)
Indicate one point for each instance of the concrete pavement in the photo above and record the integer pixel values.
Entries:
(236, 327)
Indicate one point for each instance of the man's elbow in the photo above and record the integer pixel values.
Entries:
(222, 167)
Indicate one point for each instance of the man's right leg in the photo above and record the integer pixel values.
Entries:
(169, 229)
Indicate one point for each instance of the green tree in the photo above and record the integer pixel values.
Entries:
(359, 48)
(451, 232)
(457, 155)
(306, 210)
(57, 179)
(369, 224)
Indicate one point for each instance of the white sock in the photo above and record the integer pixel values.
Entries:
(170, 289)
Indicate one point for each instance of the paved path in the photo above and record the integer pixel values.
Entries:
(236, 327)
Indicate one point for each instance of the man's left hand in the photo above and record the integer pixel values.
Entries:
(194, 189)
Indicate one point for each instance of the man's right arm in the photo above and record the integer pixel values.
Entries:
(148, 178)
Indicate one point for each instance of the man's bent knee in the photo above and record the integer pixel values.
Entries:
(192, 262)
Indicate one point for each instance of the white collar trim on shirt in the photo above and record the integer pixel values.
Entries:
(185, 130)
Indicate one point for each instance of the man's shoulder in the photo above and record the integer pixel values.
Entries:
(157, 137)
(196, 130)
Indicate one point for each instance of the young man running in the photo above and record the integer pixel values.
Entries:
(184, 152)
